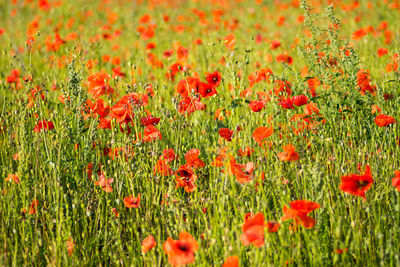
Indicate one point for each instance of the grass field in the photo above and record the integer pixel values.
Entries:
(207, 133)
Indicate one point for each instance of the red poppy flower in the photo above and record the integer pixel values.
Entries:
(247, 152)
(298, 211)
(192, 159)
(289, 153)
(206, 90)
(149, 120)
(151, 133)
(357, 184)
(189, 105)
(104, 183)
(258, 76)
(148, 243)
(357, 35)
(214, 79)
(169, 154)
(396, 180)
(162, 168)
(226, 134)
(262, 132)
(273, 226)
(182, 88)
(100, 109)
(300, 100)
(231, 261)
(382, 51)
(287, 103)
(132, 202)
(43, 125)
(181, 251)
(383, 120)
(14, 78)
(285, 58)
(230, 41)
(256, 106)
(104, 123)
(275, 44)
(174, 69)
(185, 178)
(282, 87)
(242, 173)
(98, 84)
(313, 83)
(122, 111)
(253, 230)
(363, 82)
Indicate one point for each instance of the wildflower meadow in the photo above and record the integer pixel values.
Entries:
(199, 133)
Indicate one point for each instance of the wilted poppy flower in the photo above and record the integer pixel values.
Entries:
(231, 261)
(383, 120)
(181, 251)
(375, 109)
(357, 184)
(253, 230)
(226, 134)
(43, 125)
(115, 211)
(396, 180)
(131, 201)
(289, 153)
(148, 243)
(298, 211)
(340, 250)
(104, 183)
(33, 206)
(70, 246)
